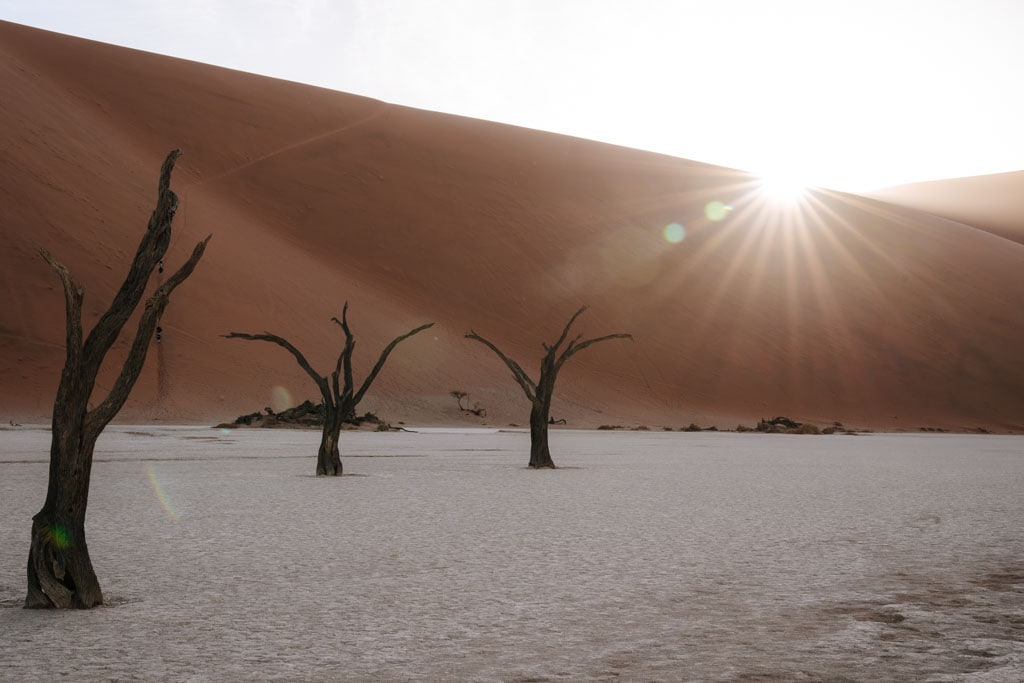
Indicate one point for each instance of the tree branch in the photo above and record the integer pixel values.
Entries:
(565, 332)
(73, 295)
(575, 348)
(321, 382)
(527, 384)
(383, 357)
(100, 416)
(151, 250)
(345, 358)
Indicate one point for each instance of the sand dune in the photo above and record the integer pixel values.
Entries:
(991, 202)
(840, 308)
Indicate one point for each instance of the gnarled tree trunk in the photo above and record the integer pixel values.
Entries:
(328, 459)
(60, 572)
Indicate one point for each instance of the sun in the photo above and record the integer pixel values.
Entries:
(782, 188)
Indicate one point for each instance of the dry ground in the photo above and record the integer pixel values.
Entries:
(653, 556)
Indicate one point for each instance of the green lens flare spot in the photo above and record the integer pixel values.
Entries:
(716, 210)
(674, 233)
(59, 536)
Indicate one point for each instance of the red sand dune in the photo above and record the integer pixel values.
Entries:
(843, 308)
(991, 202)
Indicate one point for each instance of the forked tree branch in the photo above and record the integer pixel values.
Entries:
(345, 358)
(99, 417)
(573, 348)
(565, 332)
(344, 391)
(151, 250)
(383, 358)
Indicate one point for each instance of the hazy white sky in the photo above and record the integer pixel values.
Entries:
(853, 95)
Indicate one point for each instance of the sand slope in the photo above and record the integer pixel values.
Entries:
(991, 202)
(842, 308)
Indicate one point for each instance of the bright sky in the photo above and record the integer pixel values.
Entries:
(848, 94)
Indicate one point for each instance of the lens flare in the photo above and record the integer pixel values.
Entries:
(281, 399)
(674, 233)
(716, 210)
(161, 496)
(59, 536)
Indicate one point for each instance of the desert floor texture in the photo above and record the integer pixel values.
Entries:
(647, 556)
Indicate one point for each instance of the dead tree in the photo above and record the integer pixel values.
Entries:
(339, 394)
(458, 395)
(60, 573)
(540, 392)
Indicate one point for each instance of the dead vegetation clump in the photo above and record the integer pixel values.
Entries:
(784, 425)
(305, 415)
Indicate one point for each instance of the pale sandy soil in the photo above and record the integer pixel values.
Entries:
(649, 556)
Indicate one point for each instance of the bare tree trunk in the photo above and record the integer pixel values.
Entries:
(540, 455)
(328, 459)
(60, 572)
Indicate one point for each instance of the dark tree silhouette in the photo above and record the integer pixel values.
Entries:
(458, 396)
(540, 392)
(60, 573)
(338, 391)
